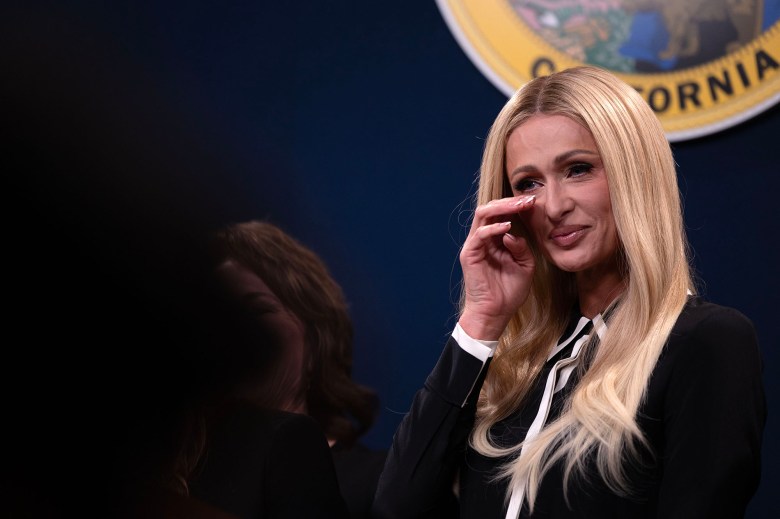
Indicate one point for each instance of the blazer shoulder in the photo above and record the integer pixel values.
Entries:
(701, 318)
(706, 329)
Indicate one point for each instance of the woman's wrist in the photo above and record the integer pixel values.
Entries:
(482, 327)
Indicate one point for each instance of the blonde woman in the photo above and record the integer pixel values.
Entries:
(584, 377)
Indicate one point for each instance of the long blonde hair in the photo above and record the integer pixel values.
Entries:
(599, 420)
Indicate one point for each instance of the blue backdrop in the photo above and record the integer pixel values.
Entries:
(358, 127)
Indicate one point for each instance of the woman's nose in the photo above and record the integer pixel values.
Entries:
(557, 202)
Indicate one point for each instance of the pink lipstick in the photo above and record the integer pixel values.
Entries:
(567, 235)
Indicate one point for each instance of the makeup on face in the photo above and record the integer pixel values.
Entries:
(556, 160)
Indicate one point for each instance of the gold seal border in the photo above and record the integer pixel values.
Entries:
(491, 32)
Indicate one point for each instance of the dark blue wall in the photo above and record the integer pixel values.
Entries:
(358, 127)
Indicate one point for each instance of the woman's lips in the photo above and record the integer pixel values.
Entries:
(568, 235)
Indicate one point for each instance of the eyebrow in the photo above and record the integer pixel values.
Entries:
(563, 157)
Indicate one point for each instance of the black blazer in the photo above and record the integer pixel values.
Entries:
(703, 417)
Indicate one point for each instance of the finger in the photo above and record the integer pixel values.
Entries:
(490, 231)
(484, 235)
(518, 248)
(502, 207)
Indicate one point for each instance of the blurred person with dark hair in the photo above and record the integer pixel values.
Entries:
(289, 289)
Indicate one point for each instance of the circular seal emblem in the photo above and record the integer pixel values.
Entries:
(702, 65)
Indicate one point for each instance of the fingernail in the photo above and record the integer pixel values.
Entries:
(525, 200)
(506, 223)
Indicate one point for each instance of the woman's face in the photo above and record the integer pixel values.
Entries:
(556, 159)
(254, 293)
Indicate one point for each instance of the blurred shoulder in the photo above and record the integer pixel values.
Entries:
(241, 424)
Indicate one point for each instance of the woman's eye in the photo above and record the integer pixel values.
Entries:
(524, 185)
(579, 169)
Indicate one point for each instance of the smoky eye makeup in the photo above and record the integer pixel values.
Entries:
(579, 168)
(525, 185)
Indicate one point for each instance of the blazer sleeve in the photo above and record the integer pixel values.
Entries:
(428, 446)
(714, 417)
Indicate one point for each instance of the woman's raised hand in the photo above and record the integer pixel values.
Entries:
(497, 269)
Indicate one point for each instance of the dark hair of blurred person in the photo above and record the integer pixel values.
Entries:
(307, 298)
(289, 288)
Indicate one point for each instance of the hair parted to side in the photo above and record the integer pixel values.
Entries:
(301, 281)
(599, 421)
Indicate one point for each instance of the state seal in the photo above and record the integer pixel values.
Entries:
(702, 65)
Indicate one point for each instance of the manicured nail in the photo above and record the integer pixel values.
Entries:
(525, 200)
(506, 223)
